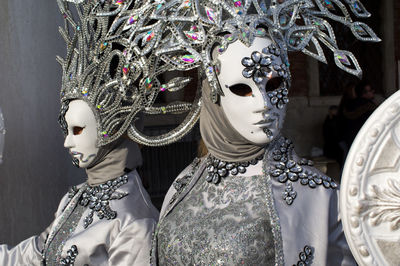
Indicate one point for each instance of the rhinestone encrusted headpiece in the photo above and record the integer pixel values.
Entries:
(110, 65)
(190, 29)
(163, 36)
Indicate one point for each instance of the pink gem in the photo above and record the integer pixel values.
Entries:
(210, 14)
(237, 4)
(125, 69)
(192, 35)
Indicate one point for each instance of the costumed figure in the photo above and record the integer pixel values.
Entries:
(251, 200)
(109, 219)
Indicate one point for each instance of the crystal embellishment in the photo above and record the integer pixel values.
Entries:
(289, 194)
(98, 199)
(181, 183)
(328, 4)
(288, 170)
(188, 59)
(133, 19)
(211, 14)
(148, 83)
(343, 59)
(69, 260)
(279, 97)
(256, 66)
(217, 169)
(306, 256)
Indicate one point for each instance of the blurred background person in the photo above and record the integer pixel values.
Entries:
(332, 138)
(356, 111)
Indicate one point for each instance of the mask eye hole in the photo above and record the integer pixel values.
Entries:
(274, 83)
(241, 90)
(77, 130)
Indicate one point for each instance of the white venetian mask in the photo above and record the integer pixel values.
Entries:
(255, 85)
(82, 133)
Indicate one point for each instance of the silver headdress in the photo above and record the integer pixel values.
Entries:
(151, 38)
(114, 73)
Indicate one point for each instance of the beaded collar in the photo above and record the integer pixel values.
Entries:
(287, 169)
(98, 198)
(217, 169)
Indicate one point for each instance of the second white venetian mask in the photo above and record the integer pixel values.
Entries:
(255, 89)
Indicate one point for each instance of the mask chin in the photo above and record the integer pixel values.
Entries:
(250, 109)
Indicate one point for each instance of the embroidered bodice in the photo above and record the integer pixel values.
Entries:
(224, 224)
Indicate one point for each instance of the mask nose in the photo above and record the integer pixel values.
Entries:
(69, 143)
(265, 98)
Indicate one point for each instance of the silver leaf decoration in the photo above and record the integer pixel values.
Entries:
(345, 59)
(363, 32)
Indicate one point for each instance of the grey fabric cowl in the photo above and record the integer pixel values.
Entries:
(112, 161)
(219, 136)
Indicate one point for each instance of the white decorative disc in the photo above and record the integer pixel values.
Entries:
(370, 190)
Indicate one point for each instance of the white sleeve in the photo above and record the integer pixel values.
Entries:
(28, 252)
(132, 245)
(339, 253)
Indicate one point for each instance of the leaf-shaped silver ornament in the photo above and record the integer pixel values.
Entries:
(299, 37)
(212, 14)
(334, 5)
(286, 14)
(178, 83)
(358, 8)
(327, 41)
(320, 56)
(363, 32)
(344, 60)
(325, 27)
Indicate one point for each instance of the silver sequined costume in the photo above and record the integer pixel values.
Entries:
(247, 220)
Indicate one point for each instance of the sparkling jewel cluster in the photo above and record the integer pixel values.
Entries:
(69, 260)
(287, 170)
(98, 199)
(217, 169)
